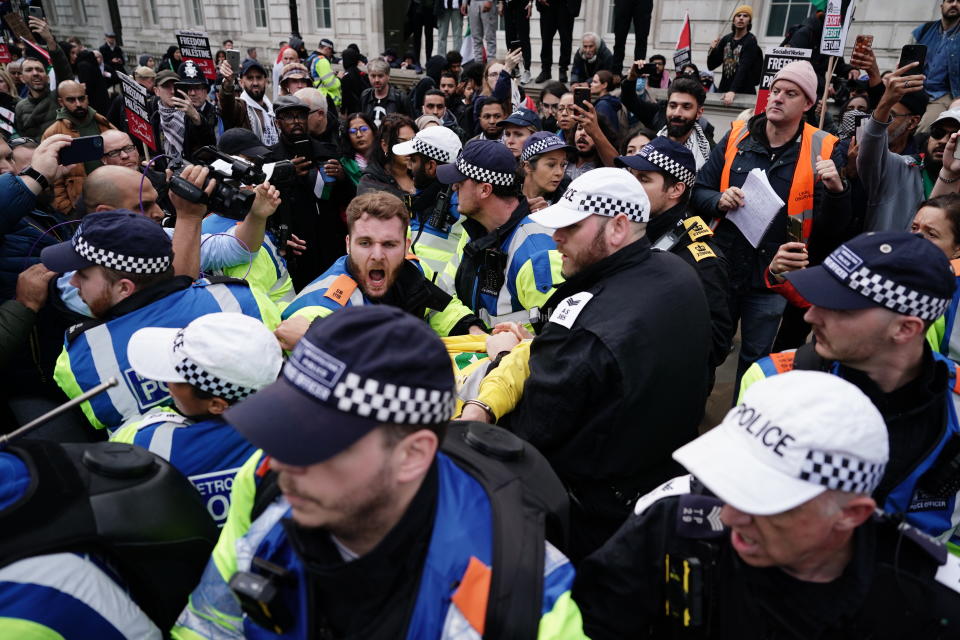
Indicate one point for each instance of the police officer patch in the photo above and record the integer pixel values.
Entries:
(190, 70)
(566, 314)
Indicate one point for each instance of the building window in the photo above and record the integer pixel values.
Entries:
(322, 12)
(786, 13)
(611, 23)
(195, 12)
(260, 14)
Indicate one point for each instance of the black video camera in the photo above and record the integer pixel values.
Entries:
(230, 198)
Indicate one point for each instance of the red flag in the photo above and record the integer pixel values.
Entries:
(37, 49)
(684, 41)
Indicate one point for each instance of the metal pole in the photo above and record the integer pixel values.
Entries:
(53, 413)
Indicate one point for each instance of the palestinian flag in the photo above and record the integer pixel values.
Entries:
(819, 5)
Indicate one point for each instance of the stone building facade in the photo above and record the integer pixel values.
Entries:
(148, 25)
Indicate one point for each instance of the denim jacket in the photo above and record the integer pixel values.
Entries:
(930, 34)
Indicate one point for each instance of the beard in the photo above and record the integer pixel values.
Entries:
(256, 94)
(420, 178)
(363, 276)
(678, 129)
(79, 113)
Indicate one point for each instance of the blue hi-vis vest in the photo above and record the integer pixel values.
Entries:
(460, 545)
(209, 453)
(435, 246)
(67, 595)
(268, 271)
(99, 352)
(938, 517)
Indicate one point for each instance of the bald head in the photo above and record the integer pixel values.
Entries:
(115, 187)
(72, 96)
(119, 150)
(317, 120)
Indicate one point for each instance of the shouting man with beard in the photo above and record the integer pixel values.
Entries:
(378, 270)
(75, 118)
(896, 184)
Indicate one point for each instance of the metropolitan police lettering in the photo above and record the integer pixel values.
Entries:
(215, 489)
(313, 370)
(770, 435)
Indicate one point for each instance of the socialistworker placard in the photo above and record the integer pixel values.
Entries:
(195, 45)
(775, 59)
(135, 108)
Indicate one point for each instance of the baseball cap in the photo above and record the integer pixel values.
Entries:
(663, 154)
(793, 436)
(949, 114)
(359, 368)
(293, 70)
(439, 143)
(522, 117)
(249, 64)
(166, 76)
(326, 42)
(241, 142)
(230, 355)
(285, 103)
(121, 240)
(541, 142)
(604, 192)
(483, 161)
(190, 73)
(110, 34)
(892, 269)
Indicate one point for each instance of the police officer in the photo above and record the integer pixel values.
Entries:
(609, 395)
(376, 534)
(378, 269)
(791, 547)
(201, 121)
(506, 264)
(667, 171)
(435, 223)
(124, 274)
(206, 366)
(872, 300)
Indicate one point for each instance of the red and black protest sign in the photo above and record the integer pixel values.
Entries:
(195, 45)
(135, 108)
(5, 57)
(775, 59)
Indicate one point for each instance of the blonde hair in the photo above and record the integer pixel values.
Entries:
(11, 85)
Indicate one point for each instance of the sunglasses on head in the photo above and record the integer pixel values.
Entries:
(18, 141)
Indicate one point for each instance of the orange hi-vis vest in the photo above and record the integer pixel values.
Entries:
(816, 144)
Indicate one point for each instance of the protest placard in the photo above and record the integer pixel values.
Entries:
(195, 45)
(776, 58)
(135, 108)
(682, 55)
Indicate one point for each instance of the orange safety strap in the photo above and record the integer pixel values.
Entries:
(956, 267)
(738, 131)
(783, 361)
(341, 289)
(263, 467)
(472, 594)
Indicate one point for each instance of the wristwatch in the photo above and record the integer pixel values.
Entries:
(41, 179)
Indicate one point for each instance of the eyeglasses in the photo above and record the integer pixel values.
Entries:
(939, 133)
(292, 116)
(130, 149)
(355, 130)
(564, 108)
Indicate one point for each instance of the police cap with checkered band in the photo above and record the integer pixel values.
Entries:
(213, 353)
(351, 372)
(791, 438)
(438, 143)
(663, 155)
(483, 161)
(895, 270)
(120, 240)
(602, 192)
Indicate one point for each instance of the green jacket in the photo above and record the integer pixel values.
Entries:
(34, 115)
